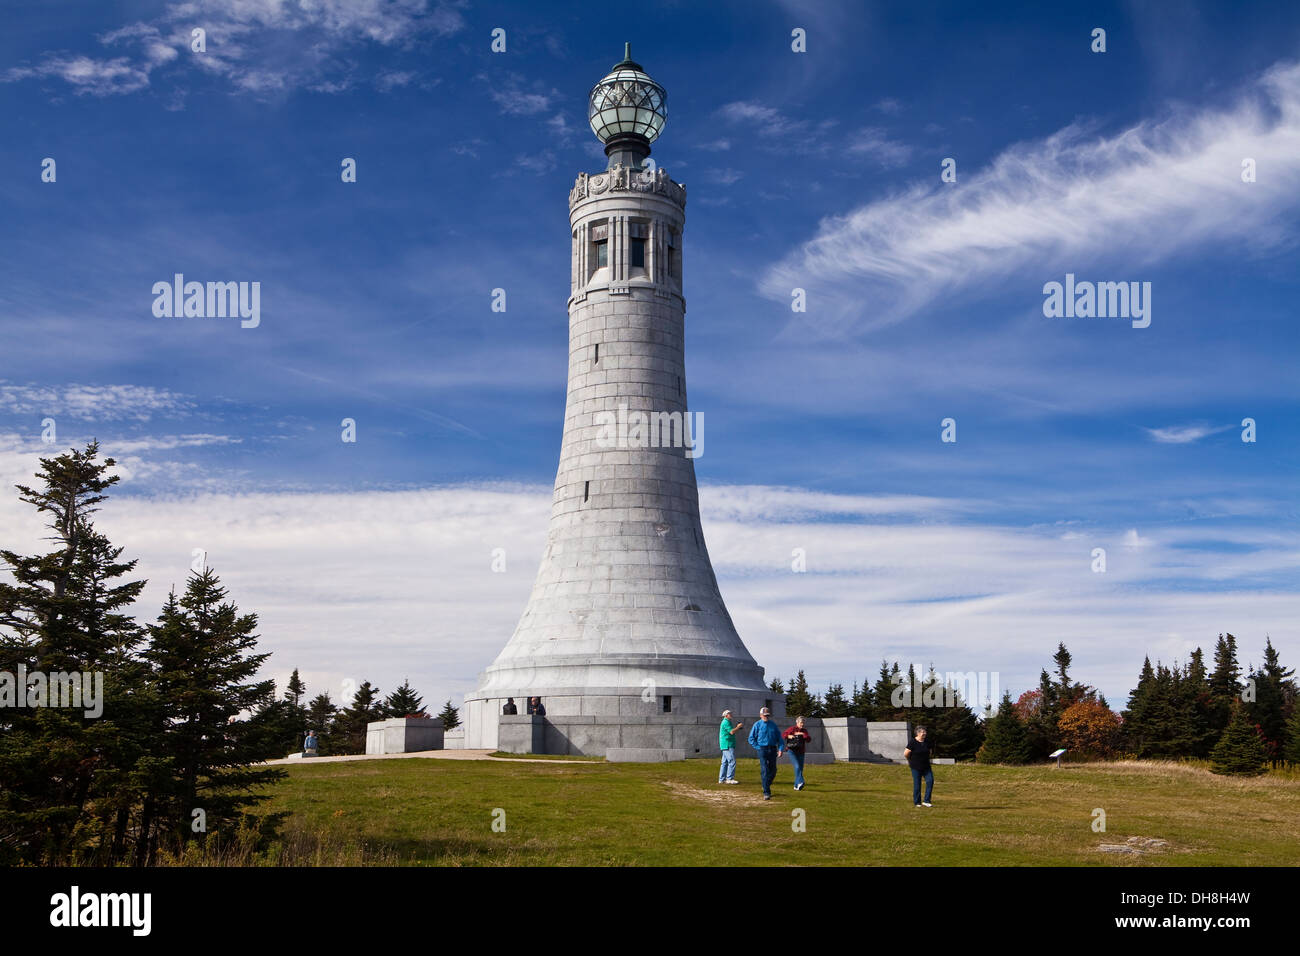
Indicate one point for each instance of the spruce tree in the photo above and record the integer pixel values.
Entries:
(1240, 751)
(348, 735)
(320, 718)
(202, 668)
(295, 690)
(450, 716)
(1006, 739)
(862, 704)
(404, 702)
(798, 702)
(1041, 728)
(66, 612)
(955, 730)
(1274, 690)
(835, 704)
(1291, 749)
(1137, 715)
(1196, 687)
(776, 687)
(1225, 682)
(883, 692)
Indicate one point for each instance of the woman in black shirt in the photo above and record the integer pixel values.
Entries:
(918, 758)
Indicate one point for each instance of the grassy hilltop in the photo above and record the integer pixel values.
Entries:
(440, 812)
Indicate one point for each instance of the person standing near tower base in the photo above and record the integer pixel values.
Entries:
(766, 739)
(727, 744)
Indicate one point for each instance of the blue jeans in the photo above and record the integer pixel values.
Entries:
(767, 768)
(728, 769)
(796, 758)
(928, 774)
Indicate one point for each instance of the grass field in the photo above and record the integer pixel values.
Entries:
(440, 812)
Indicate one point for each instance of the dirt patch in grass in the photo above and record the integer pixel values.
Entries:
(1136, 846)
(724, 794)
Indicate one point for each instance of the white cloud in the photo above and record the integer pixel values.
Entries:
(95, 403)
(875, 144)
(245, 44)
(1130, 199)
(1184, 434)
(385, 585)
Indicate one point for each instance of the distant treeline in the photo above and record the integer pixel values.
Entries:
(343, 730)
(1243, 722)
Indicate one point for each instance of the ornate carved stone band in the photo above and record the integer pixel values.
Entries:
(622, 179)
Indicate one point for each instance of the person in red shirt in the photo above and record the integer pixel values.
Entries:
(796, 738)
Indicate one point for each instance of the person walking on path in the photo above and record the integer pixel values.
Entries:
(918, 758)
(766, 739)
(796, 738)
(727, 744)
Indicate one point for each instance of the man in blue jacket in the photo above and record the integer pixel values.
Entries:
(766, 739)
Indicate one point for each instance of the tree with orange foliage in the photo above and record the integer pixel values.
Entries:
(1089, 728)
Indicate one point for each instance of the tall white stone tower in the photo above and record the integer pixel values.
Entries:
(625, 620)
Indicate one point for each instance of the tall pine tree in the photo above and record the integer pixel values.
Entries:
(404, 702)
(348, 735)
(1240, 751)
(202, 666)
(1006, 739)
(66, 612)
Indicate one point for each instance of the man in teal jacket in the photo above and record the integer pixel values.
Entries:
(727, 744)
(766, 739)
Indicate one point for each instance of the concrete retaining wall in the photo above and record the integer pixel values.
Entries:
(833, 738)
(404, 735)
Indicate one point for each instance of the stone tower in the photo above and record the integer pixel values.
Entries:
(625, 619)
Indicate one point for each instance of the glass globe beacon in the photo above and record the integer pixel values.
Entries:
(627, 103)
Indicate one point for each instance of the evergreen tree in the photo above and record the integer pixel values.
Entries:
(295, 690)
(1196, 687)
(404, 701)
(862, 704)
(450, 716)
(1041, 728)
(798, 702)
(348, 735)
(883, 692)
(835, 705)
(1240, 750)
(67, 612)
(1291, 749)
(202, 666)
(320, 718)
(1274, 691)
(956, 731)
(1137, 715)
(276, 729)
(776, 686)
(1006, 739)
(1225, 682)
(295, 694)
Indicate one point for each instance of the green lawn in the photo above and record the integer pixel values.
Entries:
(440, 812)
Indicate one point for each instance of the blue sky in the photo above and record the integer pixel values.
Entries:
(817, 170)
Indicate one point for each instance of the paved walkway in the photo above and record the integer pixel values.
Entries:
(426, 754)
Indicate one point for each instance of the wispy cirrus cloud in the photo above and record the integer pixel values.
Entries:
(1184, 434)
(245, 45)
(1066, 201)
(780, 131)
(92, 402)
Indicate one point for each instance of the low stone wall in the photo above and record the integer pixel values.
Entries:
(404, 735)
(844, 738)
